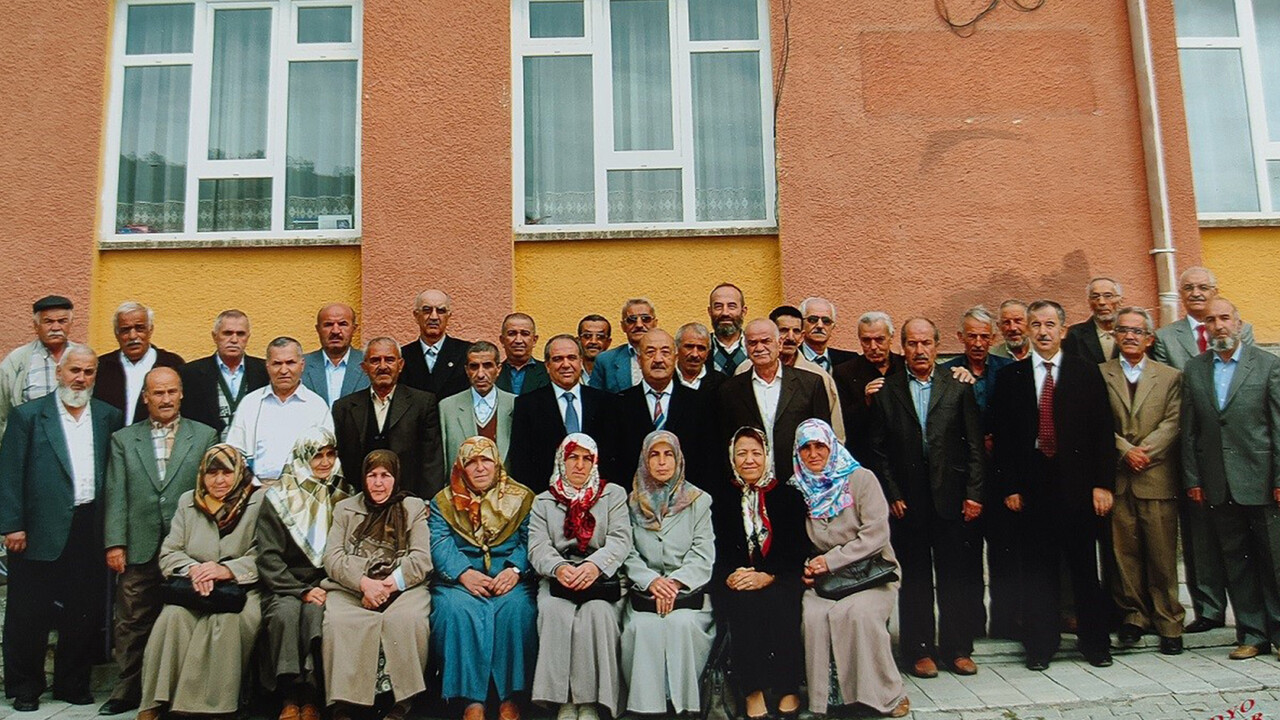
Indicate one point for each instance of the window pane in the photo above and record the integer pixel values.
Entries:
(155, 29)
(723, 20)
(1266, 16)
(234, 204)
(320, 180)
(1205, 18)
(645, 196)
(556, 19)
(641, 75)
(324, 25)
(241, 74)
(151, 186)
(1273, 171)
(1218, 130)
(559, 160)
(728, 155)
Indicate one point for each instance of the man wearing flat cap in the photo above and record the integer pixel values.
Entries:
(30, 371)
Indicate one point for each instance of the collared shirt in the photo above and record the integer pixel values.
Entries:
(1038, 369)
(431, 352)
(134, 373)
(162, 435)
(265, 427)
(1223, 371)
(1105, 339)
(484, 405)
(650, 394)
(517, 374)
(79, 434)
(767, 396)
(697, 381)
(334, 375)
(231, 377)
(921, 391)
(636, 375)
(823, 361)
(1132, 372)
(576, 392)
(726, 356)
(42, 373)
(381, 406)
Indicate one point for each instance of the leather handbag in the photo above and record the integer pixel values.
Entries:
(604, 588)
(644, 602)
(227, 596)
(861, 575)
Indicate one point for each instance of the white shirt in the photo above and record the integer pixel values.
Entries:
(265, 427)
(694, 383)
(134, 373)
(484, 405)
(636, 375)
(576, 392)
(427, 352)
(767, 396)
(1038, 369)
(649, 391)
(334, 375)
(1132, 372)
(79, 435)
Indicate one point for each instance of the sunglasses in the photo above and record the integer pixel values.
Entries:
(633, 319)
(819, 320)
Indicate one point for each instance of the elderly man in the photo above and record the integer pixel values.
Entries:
(1231, 462)
(726, 308)
(595, 334)
(152, 463)
(214, 386)
(484, 409)
(819, 315)
(521, 373)
(1146, 399)
(619, 368)
(1181, 340)
(334, 370)
(29, 372)
(1093, 339)
(859, 379)
(120, 373)
(1013, 328)
(434, 362)
(693, 347)
(661, 403)
(977, 330)
(269, 420)
(52, 462)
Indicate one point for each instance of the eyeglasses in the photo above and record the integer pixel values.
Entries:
(1202, 287)
(427, 310)
(819, 320)
(1103, 296)
(1125, 330)
(633, 319)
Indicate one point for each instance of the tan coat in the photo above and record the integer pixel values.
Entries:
(353, 634)
(1150, 419)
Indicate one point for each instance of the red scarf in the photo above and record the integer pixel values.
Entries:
(579, 523)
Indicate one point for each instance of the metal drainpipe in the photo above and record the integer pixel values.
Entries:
(1162, 251)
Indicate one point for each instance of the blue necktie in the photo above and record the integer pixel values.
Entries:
(571, 423)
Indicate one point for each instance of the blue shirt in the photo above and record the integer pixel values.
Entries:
(1223, 371)
(984, 385)
(231, 377)
(517, 376)
(334, 375)
(920, 394)
(483, 406)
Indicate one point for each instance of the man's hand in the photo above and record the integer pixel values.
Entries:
(315, 596)
(963, 375)
(504, 581)
(1014, 502)
(1102, 501)
(872, 388)
(898, 508)
(16, 542)
(115, 559)
(1196, 495)
(476, 583)
(1137, 458)
(972, 510)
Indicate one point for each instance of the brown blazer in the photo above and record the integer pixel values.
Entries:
(1150, 419)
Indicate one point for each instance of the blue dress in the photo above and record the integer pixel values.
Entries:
(481, 640)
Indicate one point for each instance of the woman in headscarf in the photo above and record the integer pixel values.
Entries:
(194, 660)
(848, 520)
(760, 554)
(579, 536)
(378, 559)
(292, 529)
(667, 629)
(483, 612)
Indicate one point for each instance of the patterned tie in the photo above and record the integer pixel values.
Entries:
(659, 414)
(1202, 338)
(571, 422)
(1047, 436)
(431, 359)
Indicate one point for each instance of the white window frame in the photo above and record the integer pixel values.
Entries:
(596, 43)
(285, 49)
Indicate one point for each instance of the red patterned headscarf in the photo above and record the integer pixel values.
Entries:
(579, 523)
(755, 514)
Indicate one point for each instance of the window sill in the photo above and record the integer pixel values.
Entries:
(641, 233)
(187, 243)
(1239, 222)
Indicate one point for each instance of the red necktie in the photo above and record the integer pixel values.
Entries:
(1046, 436)
(1202, 338)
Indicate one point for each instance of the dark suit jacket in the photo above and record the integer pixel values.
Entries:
(450, 375)
(413, 433)
(1085, 432)
(1082, 340)
(535, 376)
(200, 388)
(109, 386)
(686, 418)
(803, 396)
(537, 430)
(952, 469)
(37, 494)
(851, 380)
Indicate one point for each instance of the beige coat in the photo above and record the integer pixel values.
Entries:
(194, 662)
(1151, 419)
(354, 634)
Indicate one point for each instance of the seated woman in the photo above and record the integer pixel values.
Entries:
(579, 536)
(667, 629)
(378, 559)
(291, 534)
(848, 521)
(760, 554)
(483, 614)
(194, 660)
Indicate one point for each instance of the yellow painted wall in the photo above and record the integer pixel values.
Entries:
(559, 282)
(1247, 263)
(280, 288)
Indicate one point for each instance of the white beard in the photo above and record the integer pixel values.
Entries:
(1223, 344)
(74, 398)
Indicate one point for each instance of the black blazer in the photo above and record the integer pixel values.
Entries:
(109, 386)
(535, 376)
(851, 380)
(840, 357)
(537, 430)
(450, 375)
(1082, 340)
(413, 433)
(1085, 431)
(952, 469)
(686, 418)
(200, 387)
(789, 548)
(803, 396)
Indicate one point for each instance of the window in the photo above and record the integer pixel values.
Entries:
(234, 119)
(1229, 53)
(644, 114)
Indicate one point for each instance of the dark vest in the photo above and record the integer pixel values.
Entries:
(375, 439)
(489, 429)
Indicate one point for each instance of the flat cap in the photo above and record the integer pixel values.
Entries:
(51, 302)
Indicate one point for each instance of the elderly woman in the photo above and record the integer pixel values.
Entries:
(194, 659)
(760, 554)
(291, 535)
(378, 559)
(579, 536)
(483, 614)
(848, 521)
(667, 629)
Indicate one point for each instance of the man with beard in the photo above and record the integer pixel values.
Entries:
(726, 308)
(819, 315)
(1181, 340)
(334, 369)
(596, 335)
(1092, 339)
(120, 374)
(484, 409)
(434, 361)
(1231, 462)
(29, 372)
(693, 347)
(618, 369)
(52, 463)
(1013, 328)
(859, 379)
(520, 372)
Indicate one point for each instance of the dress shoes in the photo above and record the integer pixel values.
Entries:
(75, 698)
(150, 714)
(26, 704)
(116, 706)
(901, 709)
(1128, 635)
(1038, 664)
(399, 711)
(1244, 652)
(1200, 625)
(1171, 645)
(964, 666)
(925, 667)
(290, 711)
(310, 712)
(1098, 659)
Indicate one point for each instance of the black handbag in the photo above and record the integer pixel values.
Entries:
(227, 596)
(604, 588)
(863, 574)
(644, 602)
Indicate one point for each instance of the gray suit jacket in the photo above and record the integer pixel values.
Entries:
(1236, 449)
(458, 422)
(139, 503)
(1175, 343)
(314, 380)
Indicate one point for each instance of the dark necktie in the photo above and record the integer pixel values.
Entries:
(1047, 436)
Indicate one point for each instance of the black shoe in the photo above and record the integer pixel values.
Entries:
(1128, 635)
(1171, 645)
(1099, 659)
(1038, 664)
(26, 704)
(1200, 625)
(116, 706)
(77, 698)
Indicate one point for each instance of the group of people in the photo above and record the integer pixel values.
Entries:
(580, 531)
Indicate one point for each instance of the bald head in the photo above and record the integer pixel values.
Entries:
(762, 346)
(336, 327)
(162, 394)
(432, 309)
(657, 358)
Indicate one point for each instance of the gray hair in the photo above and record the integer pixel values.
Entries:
(76, 351)
(129, 306)
(518, 316)
(284, 341)
(773, 327)
(696, 328)
(1213, 279)
(1042, 304)
(1013, 302)
(230, 315)
(383, 340)
(876, 317)
(804, 306)
(638, 301)
(979, 313)
(417, 299)
(1089, 287)
(483, 346)
(1147, 322)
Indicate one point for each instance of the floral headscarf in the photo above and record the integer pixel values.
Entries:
(826, 493)
(579, 523)
(226, 512)
(490, 518)
(755, 516)
(305, 502)
(650, 500)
